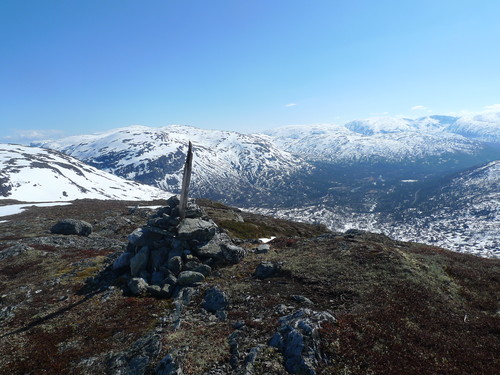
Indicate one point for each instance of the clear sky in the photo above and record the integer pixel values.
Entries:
(83, 66)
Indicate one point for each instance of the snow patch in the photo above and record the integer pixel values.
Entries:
(266, 240)
(14, 209)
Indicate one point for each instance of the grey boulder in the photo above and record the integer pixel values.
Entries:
(72, 226)
(265, 270)
(190, 278)
(197, 229)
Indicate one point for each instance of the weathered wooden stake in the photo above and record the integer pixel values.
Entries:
(186, 178)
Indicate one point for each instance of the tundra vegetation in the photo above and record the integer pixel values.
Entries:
(388, 307)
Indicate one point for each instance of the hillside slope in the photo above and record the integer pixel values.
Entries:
(361, 303)
(34, 174)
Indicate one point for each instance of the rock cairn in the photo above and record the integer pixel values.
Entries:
(169, 253)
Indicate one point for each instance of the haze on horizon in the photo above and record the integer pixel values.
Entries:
(84, 67)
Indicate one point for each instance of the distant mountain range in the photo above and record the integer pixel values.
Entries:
(381, 174)
(290, 163)
(227, 165)
(33, 174)
(387, 139)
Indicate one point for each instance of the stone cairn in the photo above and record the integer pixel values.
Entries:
(169, 253)
(177, 248)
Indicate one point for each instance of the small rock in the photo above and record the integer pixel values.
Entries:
(221, 315)
(298, 340)
(167, 366)
(215, 300)
(196, 266)
(262, 249)
(137, 286)
(302, 299)
(190, 278)
(232, 253)
(187, 256)
(72, 226)
(175, 265)
(265, 270)
(204, 269)
(212, 249)
(134, 360)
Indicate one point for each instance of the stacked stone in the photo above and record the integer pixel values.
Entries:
(168, 253)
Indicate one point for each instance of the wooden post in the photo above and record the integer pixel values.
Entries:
(186, 178)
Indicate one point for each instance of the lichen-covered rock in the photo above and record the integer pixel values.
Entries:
(71, 226)
(137, 286)
(232, 253)
(194, 211)
(197, 229)
(136, 359)
(212, 249)
(215, 300)
(190, 278)
(298, 340)
(14, 250)
(205, 269)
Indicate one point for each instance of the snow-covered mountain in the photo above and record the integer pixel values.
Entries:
(33, 174)
(484, 127)
(369, 174)
(226, 165)
(387, 139)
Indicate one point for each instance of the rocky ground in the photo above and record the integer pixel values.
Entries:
(312, 302)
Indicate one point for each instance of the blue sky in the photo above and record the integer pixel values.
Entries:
(83, 66)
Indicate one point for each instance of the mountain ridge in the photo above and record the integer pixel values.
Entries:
(226, 164)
